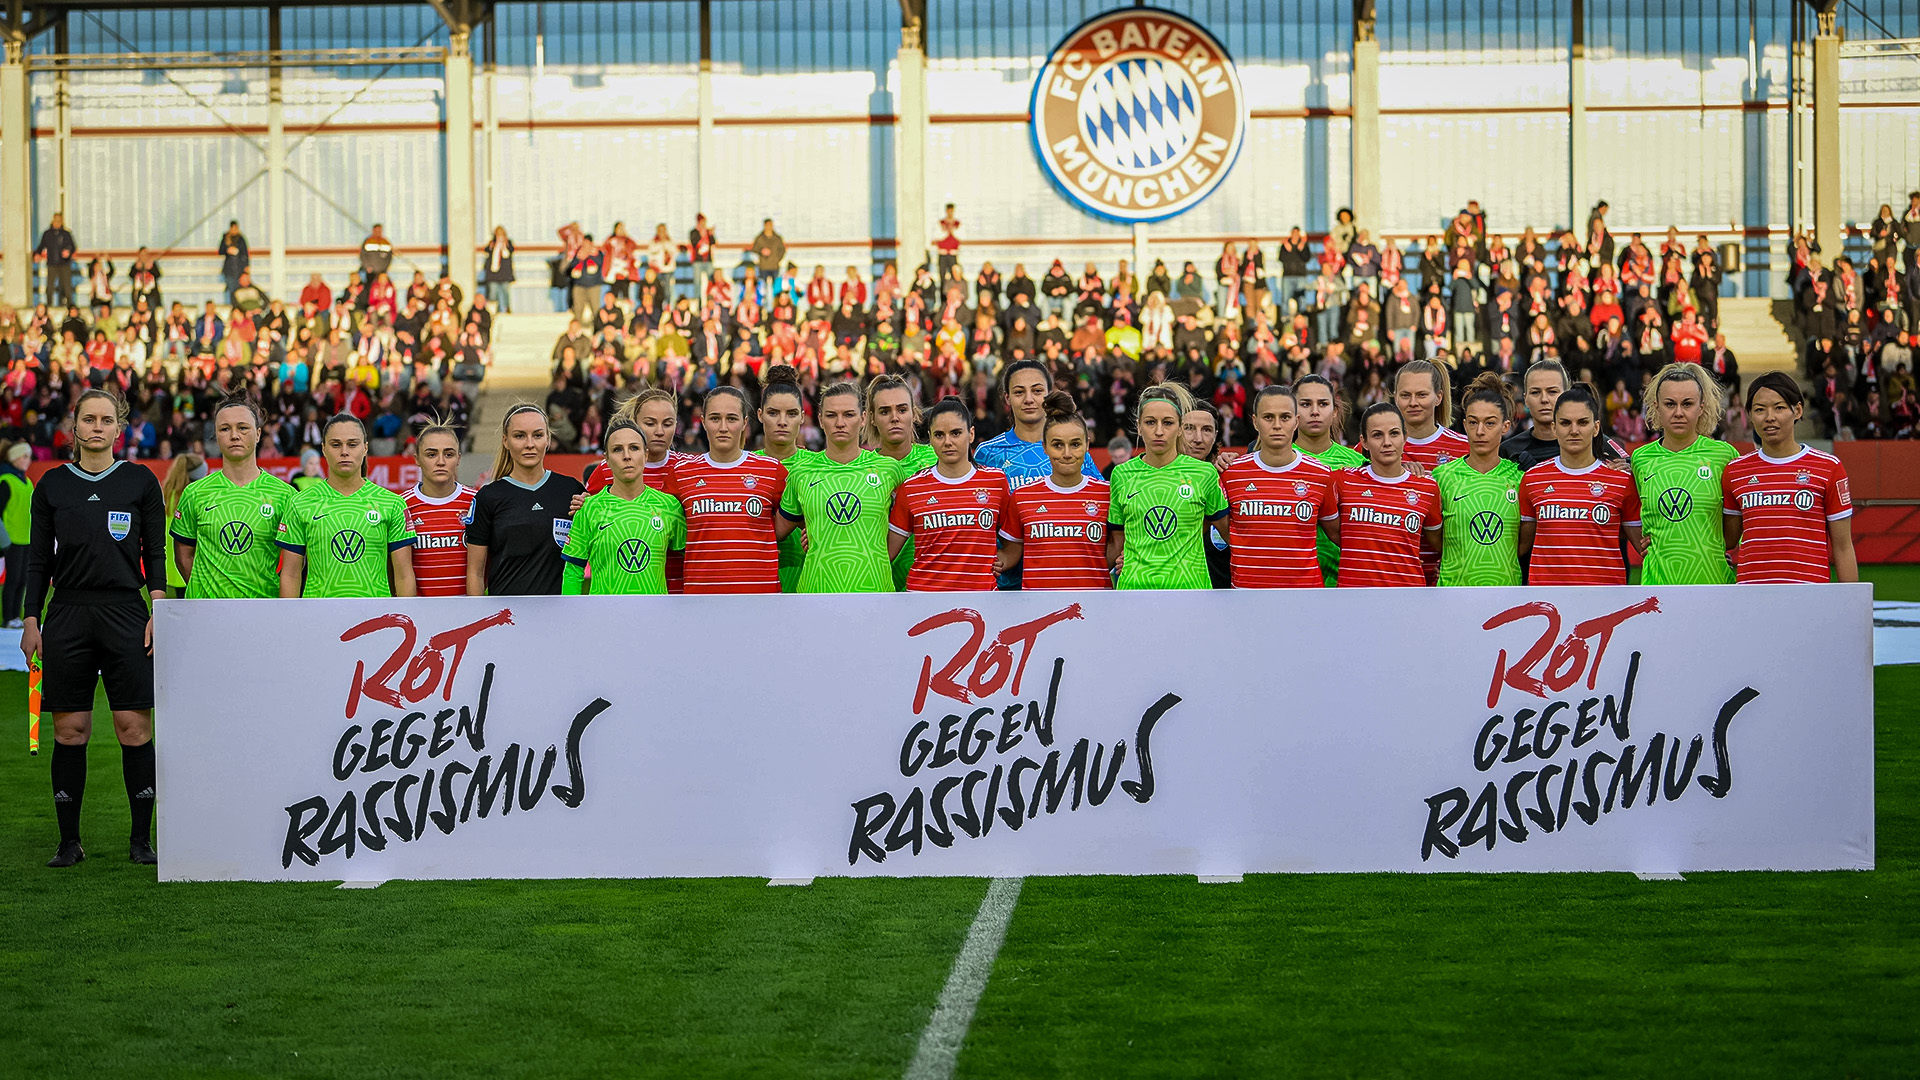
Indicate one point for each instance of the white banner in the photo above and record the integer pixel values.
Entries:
(1211, 733)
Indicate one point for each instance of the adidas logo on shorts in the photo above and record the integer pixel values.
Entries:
(145, 793)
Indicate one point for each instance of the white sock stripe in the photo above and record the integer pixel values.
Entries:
(946, 1029)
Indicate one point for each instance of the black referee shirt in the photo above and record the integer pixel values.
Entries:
(523, 530)
(1527, 450)
(97, 537)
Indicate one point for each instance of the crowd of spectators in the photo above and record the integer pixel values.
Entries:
(1858, 327)
(395, 355)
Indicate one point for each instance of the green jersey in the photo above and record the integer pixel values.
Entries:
(1680, 512)
(845, 509)
(231, 529)
(624, 542)
(346, 538)
(793, 550)
(1334, 456)
(1480, 512)
(1162, 514)
(918, 460)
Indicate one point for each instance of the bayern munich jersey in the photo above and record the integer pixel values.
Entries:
(1273, 520)
(954, 525)
(730, 513)
(440, 540)
(1064, 533)
(659, 475)
(1784, 505)
(1023, 462)
(1577, 516)
(1444, 445)
(1382, 525)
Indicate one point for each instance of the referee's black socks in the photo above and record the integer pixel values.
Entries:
(70, 786)
(136, 767)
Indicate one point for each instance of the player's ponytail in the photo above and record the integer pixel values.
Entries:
(950, 406)
(1060, 409)
(1489, 388)
(1442, 409)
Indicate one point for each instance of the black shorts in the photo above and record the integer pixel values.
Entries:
(84, 644)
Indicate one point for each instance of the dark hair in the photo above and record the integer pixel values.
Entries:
(1018, 366)
(780, 379)
(240, 401)
(1579, 394)
(624, 423)
(1061, 410)
(1382, 408)
(1780, 383)
(340, 418)
(746, 404)
(950, 406)
(1342, 405)
(1272, 389)
(1490, 388)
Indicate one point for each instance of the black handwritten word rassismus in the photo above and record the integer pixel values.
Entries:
(1588, 783)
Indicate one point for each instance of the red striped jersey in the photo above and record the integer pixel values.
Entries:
(1784, 507)
(1437, 449)
(1273, 521)
(730, 514)
(659, 475)
(955, 527)
(1577, 516)
(440, 550)
(1382, 523)
(1064, 531)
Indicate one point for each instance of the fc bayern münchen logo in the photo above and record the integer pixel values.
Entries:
(1138, 114)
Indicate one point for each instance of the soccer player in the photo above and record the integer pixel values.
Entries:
(1055, 530)
(729, 498)
(225, 523)
(1480, 493)
(1679, 478)
(892, 417)
(623, 531)
(1573, 510)
(1787, 509)
(1019, 452)
(951, 512)
(1386, 512)
(520, 522)
(782, 415)
(1542, 385)
(1322, 413)
(437, 510)
(1161, 501)
(658, 416)
(347, 536)
(1421, 390)
(1200, 437)
(1278, 499)
(99, 542)
(843, 498)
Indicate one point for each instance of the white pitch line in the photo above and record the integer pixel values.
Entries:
(947, 1028)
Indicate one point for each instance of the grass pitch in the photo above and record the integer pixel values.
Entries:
(104, 973)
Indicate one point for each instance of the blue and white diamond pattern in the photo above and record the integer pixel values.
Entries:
(1139, 114)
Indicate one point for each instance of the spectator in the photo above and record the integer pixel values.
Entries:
(235, 260)
(949, 244)
(700, 248)
(56, 249)
(376, 255)
(768, 250)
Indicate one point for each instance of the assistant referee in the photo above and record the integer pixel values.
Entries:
(99, 539)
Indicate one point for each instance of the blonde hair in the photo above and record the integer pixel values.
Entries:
(874, 389)
(1712, 403)
(1443, 412)
(503, 458)
(1170, 392)
(630, 408)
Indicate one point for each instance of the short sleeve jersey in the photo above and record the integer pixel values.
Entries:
(1577, 516)
(1382, 524)
(1162, 513)
(623, 543)
(660, 476)
(1273, 520)
(1680, 512)
(729, 512)
(954, 526)
(1064, 533)
(844, 508)
(1444, 445)
(1026, 463)
(523, 529)
(793, 550)
(1785, 506)
(918, 458)
(1335, 457)
(440, 540)
(1481, 515)
(232, 529)
(346, 538)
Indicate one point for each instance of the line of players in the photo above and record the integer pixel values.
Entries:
(1416, 503)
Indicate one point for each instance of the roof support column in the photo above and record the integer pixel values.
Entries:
(16, 177)
(1577, 121)
(708, 179)
(276, 167)
(1365, 133)
(910, 214)
(461, 236)
(1827, 229)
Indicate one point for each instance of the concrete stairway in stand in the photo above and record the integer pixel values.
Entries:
(522, 347)
(1756, 336)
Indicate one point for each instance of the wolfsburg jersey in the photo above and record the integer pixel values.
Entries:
(920, 458)
(1162, 514)
(1680, 512)
(232, 530)
(1335, 457)
(845, 509)
(624, 543)
(1480, 544)
(793, 550)
(346, 538)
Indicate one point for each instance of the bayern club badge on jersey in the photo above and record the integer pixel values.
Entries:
(1138, 114)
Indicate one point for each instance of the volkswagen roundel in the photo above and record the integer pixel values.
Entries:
(1138, 114)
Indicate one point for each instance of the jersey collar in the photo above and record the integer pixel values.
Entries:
(458, 490)
(1562, 466)
(102, 474)
(1401, 479)
(1058, 490)
(544, 477)
(952, 483)
(1789, 459)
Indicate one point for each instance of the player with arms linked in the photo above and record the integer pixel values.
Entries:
(225, 525)
(1055, 530)
(437, 508)
(843, 497)
(342, 537)
(623, 532)
(1162, 501)
(1788, 513)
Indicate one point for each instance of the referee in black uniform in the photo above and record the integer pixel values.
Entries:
(99, 540)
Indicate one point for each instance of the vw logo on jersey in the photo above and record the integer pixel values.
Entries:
(1161, 521)
(633, 555)
(1676, 504)
(348, 546)
(1413, 523)
(119, 523)
(986, 518)
(843, 507)
(1485, 527)
(1602, 514)
(1138, 115)
(1803, 500)
(754, 506)
(235, 537)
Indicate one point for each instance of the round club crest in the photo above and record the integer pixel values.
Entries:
(1137, 115)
